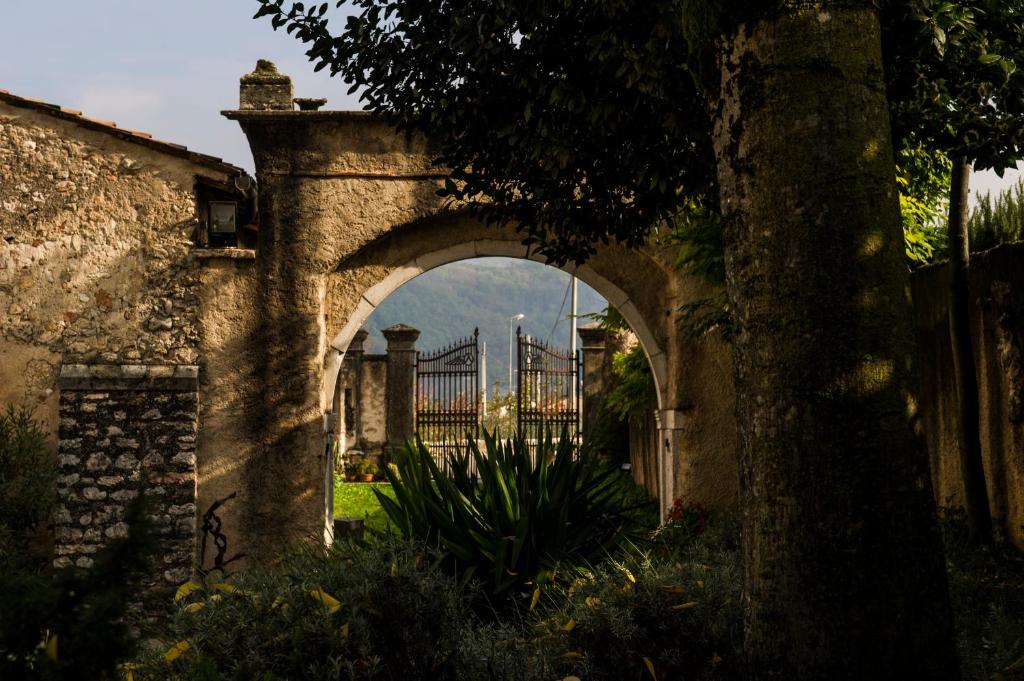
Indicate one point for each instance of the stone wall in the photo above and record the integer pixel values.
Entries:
(125, 429)
(101, 300)
(997, 299)
(95, 264)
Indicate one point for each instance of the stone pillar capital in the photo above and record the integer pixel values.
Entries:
(401, 337)
(358, 341)
(594, 336)
(265, 89)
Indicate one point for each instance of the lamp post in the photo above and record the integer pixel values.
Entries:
(511, 320)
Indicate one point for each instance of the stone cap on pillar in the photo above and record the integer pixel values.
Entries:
(358, 341)
(401, 337)
(593, 335)
(265, 89)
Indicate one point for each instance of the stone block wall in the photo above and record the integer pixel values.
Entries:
(124, 429)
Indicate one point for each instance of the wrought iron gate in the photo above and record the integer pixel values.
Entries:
(548, 397)
(448, 396)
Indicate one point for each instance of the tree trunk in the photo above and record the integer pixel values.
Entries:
(844, 576)
(979, 517)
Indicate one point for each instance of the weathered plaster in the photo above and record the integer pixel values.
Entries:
(94, 257)
(349, 212)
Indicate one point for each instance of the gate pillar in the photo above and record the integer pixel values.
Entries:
(595, 380)
(284, 475)
(400, 391)
(671, 443)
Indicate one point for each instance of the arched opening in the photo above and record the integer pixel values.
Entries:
(363, 283)
(364, 280)
(349, 211)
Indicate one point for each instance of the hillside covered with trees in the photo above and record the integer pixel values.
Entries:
(449, 302)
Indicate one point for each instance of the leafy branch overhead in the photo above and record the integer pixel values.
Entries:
(954, 77)
(583, 122)
(586, 122)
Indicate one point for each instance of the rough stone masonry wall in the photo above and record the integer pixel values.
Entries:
(99, 285)
(95, 266)
(124, 429)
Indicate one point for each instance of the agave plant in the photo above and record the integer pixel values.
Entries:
(506, 515)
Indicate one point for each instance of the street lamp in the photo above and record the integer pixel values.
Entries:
(511, 320)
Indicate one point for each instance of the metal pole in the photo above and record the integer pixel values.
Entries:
(513, 318)
(572, 318)
(483, 383)
(574, 398)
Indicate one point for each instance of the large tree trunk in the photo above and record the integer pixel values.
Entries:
(844, 576)
(979, 516)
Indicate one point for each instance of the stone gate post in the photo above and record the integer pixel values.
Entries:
(282, 481)
(350, 380)
(355, 351)
(595, 383)
(400, 392)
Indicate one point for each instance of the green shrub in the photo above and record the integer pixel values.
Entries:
(513, 650)
(634, 393)
(986, 586)
(74, 624)
(637, 618)
(355, 611)
(28, 477)
(511, 516)
(367, 468)
(649, 618)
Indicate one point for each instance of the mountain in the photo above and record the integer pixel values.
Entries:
(448, 302)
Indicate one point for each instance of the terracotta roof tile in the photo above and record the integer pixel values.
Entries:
(109, 127)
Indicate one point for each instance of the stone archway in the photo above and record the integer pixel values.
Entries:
(367, 277)
(348, 212)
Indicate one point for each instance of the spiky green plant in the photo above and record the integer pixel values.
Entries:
(508, 516)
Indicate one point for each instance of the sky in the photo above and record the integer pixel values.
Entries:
(167, 67)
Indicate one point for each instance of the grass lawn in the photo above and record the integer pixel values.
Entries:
(357, 500)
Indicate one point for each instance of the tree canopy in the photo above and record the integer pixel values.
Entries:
(583, 122)
(587, 122)
(955, 81)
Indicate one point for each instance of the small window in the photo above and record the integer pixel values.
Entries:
(223, 223)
